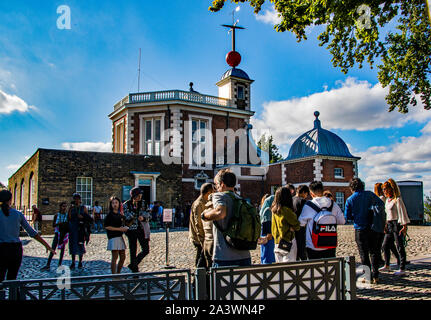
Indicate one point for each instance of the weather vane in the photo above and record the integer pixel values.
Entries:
(233, 58)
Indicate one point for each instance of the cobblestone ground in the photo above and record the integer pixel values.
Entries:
(416, 285)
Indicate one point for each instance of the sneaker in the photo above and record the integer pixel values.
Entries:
(45, 268)
(133, 268)
(385, 268)
(400, 273)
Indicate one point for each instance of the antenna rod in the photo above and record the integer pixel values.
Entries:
(139, 69)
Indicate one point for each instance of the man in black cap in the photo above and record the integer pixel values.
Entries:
(137, 219)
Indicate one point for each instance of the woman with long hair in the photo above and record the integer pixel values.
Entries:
(378, 190)
(396, 227)
(284, 225)
(114, 225)
(11, 221)
(266, 240)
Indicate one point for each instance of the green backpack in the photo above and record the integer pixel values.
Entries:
(243, 229)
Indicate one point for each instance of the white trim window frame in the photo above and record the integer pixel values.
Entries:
(152, 134)
(119, 136)
(84, 186)
(202, 140)
(338, 173)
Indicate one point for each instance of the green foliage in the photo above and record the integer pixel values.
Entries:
(267, 145)
(427, 207)
(352, 35)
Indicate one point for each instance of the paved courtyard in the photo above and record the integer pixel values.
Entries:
(416, 285)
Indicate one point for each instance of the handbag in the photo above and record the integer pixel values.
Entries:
(285, 245)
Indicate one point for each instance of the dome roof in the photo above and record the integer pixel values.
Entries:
(235, 72)
(319, 141)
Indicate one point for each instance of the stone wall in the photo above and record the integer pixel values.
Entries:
(58, 170)
(328, 170)
(300, 172)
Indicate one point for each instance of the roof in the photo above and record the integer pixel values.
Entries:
(319, 141)
(235, 72)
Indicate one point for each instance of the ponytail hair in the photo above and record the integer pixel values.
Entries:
(5, 196)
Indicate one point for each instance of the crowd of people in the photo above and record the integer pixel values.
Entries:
(296, 224)
(301, 224)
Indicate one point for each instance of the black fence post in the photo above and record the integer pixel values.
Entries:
(200, 284)
(350, 278)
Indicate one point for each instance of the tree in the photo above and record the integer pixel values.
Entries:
(355, 32)
(267, 144)
(2, 186)
(427, 207)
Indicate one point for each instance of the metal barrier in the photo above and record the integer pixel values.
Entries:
(165, 285)
(325, 279)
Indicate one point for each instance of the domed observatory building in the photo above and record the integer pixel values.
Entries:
(320, 155)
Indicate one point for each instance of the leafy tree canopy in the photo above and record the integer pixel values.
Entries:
(427, 207)
(355, 32)
(267, 144)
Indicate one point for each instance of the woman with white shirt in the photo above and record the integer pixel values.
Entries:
(396, 226)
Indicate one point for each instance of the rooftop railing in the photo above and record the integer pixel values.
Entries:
(172, 95)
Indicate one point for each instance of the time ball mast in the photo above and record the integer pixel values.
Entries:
(233, 58)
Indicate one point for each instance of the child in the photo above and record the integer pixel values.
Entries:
(114, 225)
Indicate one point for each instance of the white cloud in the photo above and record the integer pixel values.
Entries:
(10, 103)
(88, 146)
(409, 159)
(269, 16)
(351, 105)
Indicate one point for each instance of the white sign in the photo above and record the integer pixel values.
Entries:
(167, 215)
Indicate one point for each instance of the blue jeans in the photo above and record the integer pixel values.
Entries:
(232, 263)
(98, 225)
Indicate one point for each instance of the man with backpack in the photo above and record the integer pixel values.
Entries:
(236, 226)
(320, 216)
(368, 214)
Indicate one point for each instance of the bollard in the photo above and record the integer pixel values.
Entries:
(200, 284)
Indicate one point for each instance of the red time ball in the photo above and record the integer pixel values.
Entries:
(233, 58)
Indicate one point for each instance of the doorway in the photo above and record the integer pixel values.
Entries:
(146, 194)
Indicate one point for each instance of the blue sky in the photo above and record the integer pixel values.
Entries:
(58, 86)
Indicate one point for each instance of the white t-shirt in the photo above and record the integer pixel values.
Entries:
(308, 213)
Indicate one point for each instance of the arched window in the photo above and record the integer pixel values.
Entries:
(14, 194)
(31, 190)
(21, 194)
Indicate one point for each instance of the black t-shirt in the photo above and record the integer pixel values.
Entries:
(113, 220)
(298, 204)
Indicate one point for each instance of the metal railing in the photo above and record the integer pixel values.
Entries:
(171, 95)
(324, 279)
(165, 285)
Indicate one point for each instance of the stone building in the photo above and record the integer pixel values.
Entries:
(51, 176)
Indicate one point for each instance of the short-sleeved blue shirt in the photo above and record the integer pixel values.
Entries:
(10, 226)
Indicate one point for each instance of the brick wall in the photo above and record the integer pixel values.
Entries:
(58, 170)
(299, 172)
(328, 170)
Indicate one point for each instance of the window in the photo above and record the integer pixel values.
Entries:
(199, 140)
(241, 93)
(152, 136)
(21, 194)
(200, 179)
(338, 173)
(119, 138)
(84, 186)
(31, 190)
(339, 199)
